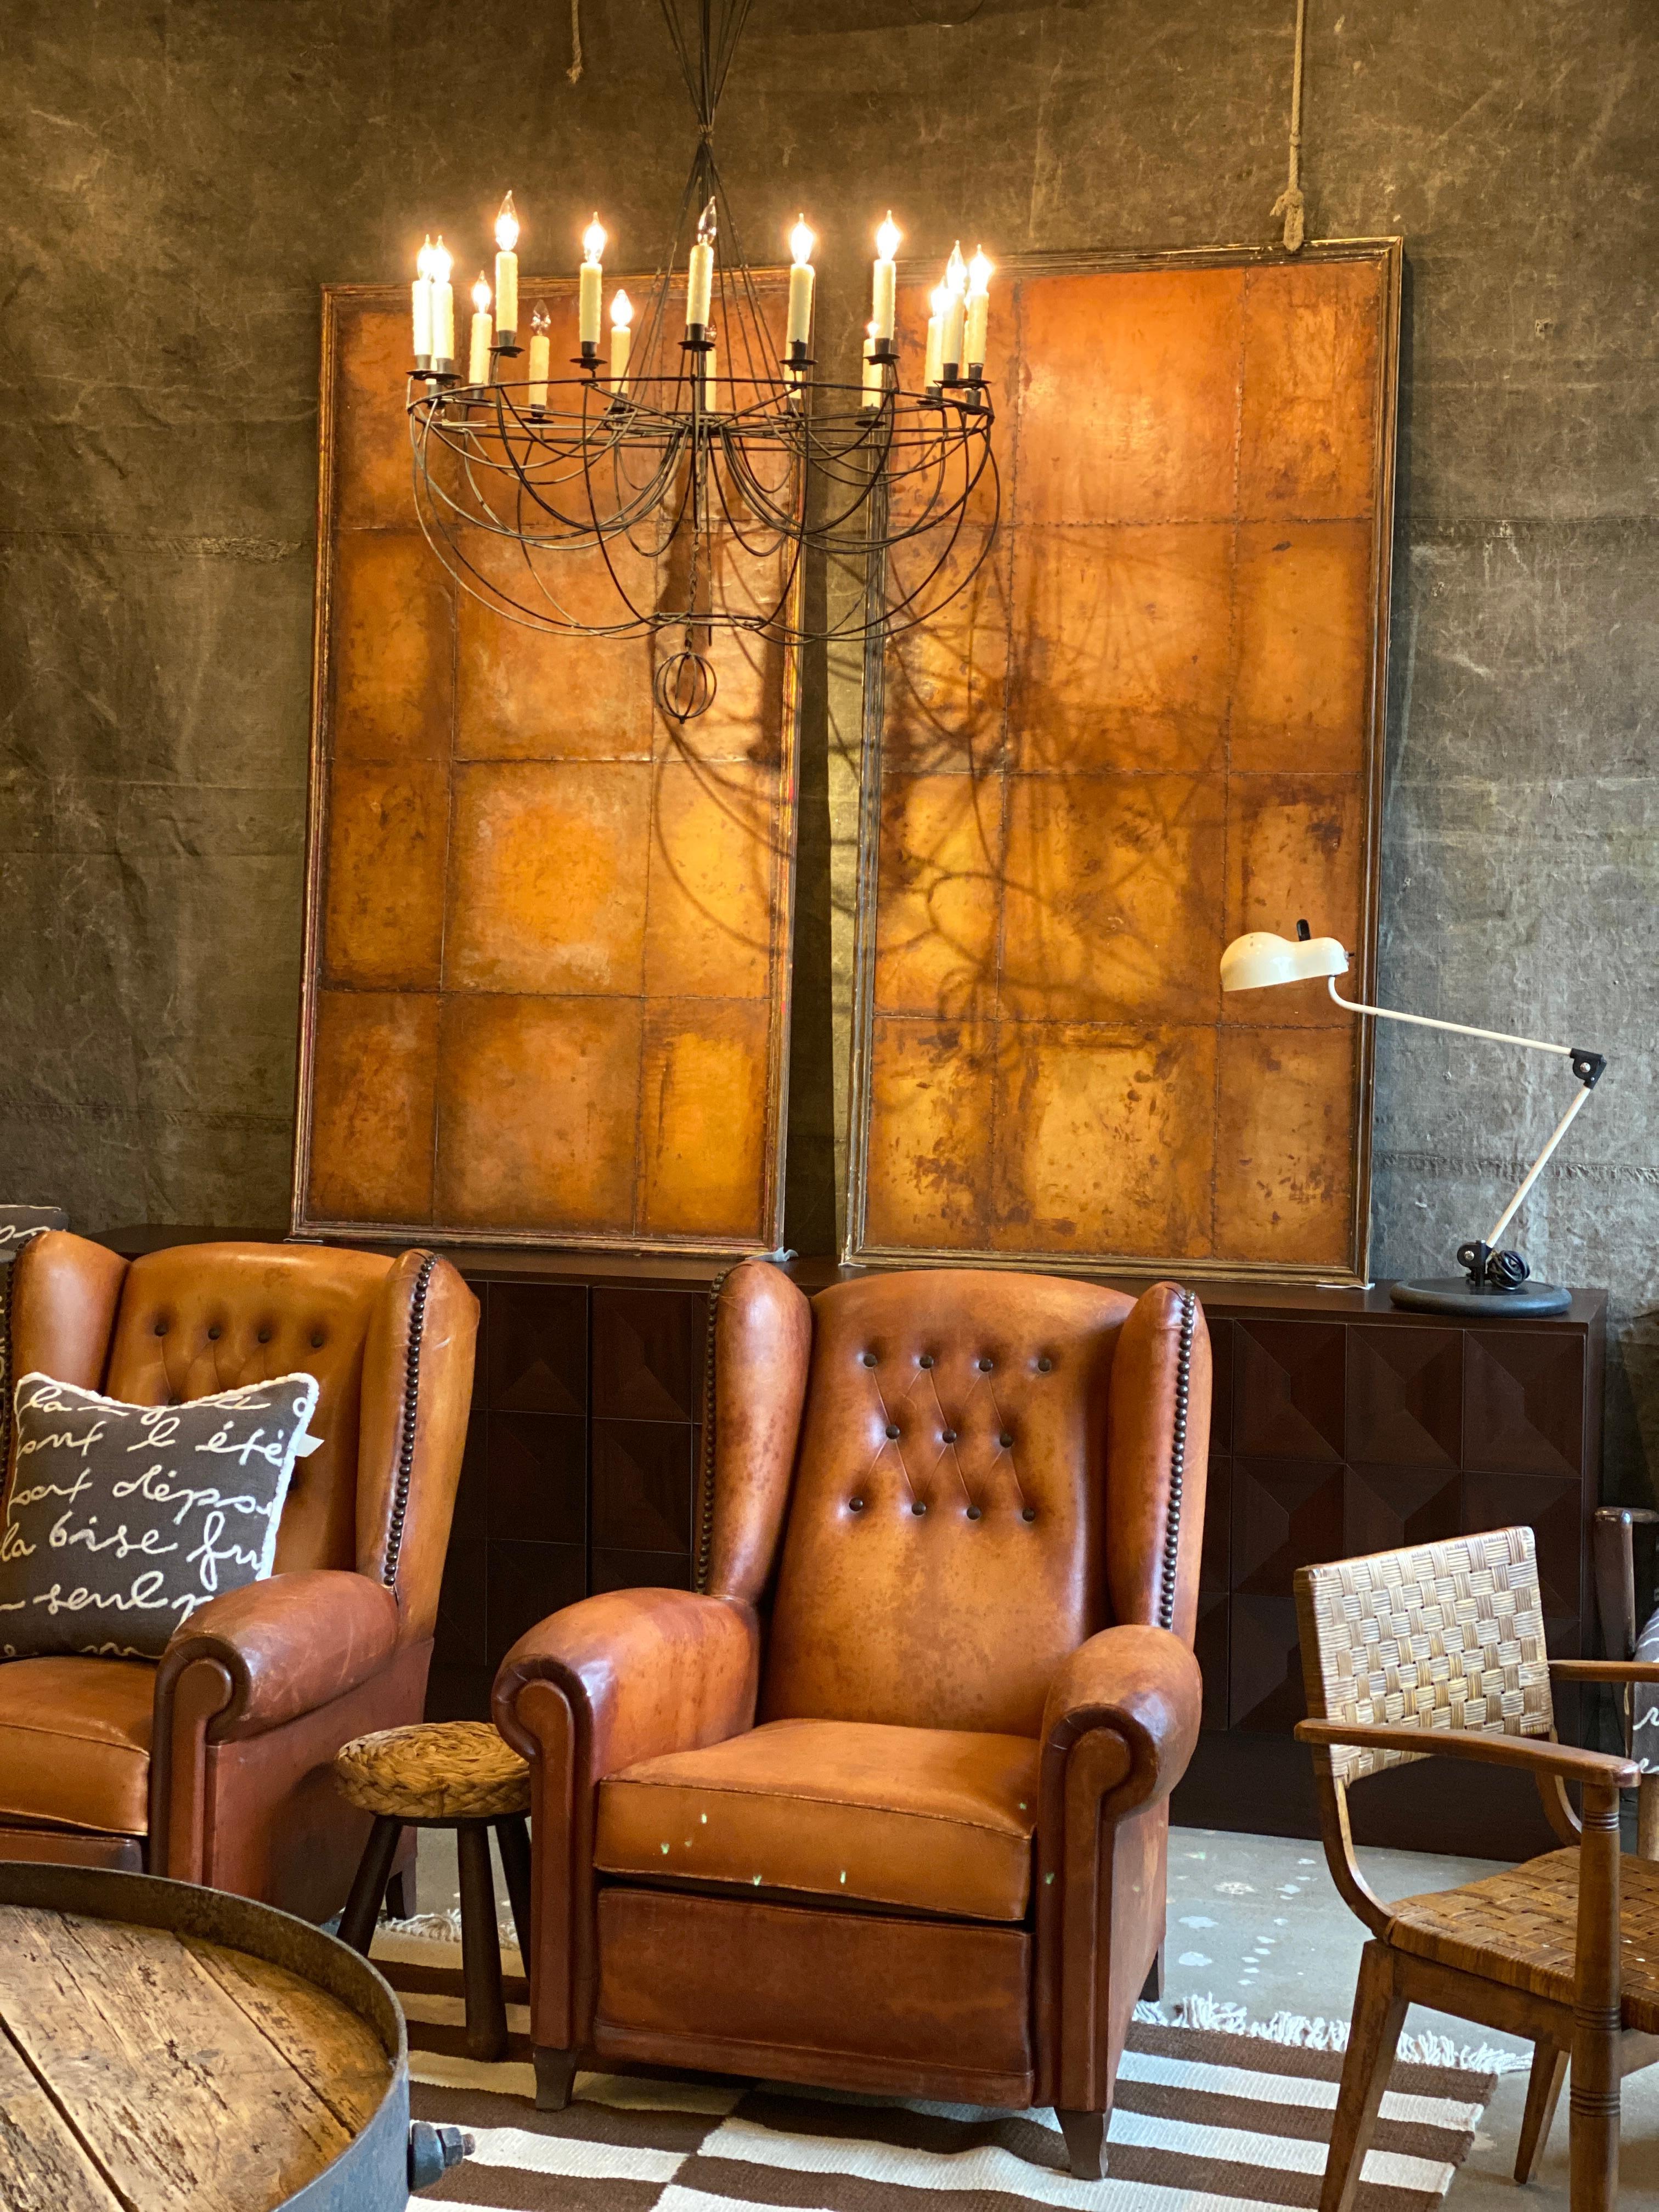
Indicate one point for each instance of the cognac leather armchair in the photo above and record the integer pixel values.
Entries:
(882, 1804)
(215, 1765)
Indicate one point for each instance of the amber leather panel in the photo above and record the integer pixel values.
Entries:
(931, 1819)
(75, 1738)
(939, 1619)
(289, 1644)
(926, 2007)
(762, 1348)
(64, 1292)
(1142, 1469)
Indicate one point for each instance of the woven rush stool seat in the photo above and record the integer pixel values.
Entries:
(434, 1771)
(1521, 1927)
(446, 1774)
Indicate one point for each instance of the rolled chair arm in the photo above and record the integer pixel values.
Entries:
(647, 1671)
(1144, 1686)
(286, 1646)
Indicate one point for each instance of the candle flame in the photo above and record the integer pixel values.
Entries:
(707, 225)
(538, 321)
(441, 263)
(593, 241)
(956, 272)
(507, 226)
(481, 295)
(622, 311)
(423, 259)
(981, 270)
(888, 237)
(801, 242)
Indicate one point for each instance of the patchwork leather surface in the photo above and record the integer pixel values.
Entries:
(931, 1819)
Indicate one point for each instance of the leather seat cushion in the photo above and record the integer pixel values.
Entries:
(936, 1819)
(75, 1742)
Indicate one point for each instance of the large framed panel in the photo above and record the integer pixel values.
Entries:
(548, 931)
(1152, 720)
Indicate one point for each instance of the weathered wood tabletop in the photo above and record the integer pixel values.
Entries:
(146, 2071)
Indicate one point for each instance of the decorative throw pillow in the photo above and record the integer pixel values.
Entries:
(123, 1519)
(18, 1224)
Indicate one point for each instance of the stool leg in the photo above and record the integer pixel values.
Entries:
(481, 1948)
(513, 1841)
(362, 1907)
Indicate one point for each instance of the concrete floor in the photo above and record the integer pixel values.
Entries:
(1255, 1921)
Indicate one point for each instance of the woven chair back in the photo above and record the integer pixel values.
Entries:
(1435, 1636)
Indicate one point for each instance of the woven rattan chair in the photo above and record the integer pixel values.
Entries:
(1446, 1641)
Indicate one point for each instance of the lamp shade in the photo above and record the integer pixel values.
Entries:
(1252, 962)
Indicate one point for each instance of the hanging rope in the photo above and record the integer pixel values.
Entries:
(574, 70)
(1290, 202)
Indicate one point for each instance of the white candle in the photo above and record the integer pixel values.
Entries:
(709, 373)
(507, 269)
(956, 312)
(540, 358)
(699, 274)
(801, 242)
(875, 382)
(884, 305)
(593, 283)
(477, 359)
(979, 272)
(934, 371)
(621, 340)
(443, 303)
(421, 302)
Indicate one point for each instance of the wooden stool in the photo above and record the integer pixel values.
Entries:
(446, 1774)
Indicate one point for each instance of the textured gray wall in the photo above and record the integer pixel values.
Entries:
(178, 177)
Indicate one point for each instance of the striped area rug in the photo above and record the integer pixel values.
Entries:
(1204, 2121)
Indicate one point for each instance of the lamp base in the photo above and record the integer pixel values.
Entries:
(1481, 1301)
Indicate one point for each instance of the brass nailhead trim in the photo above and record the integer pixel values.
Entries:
(394, 1537)
(1177, 1461)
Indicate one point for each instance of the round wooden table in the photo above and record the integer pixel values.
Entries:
(165, 2048)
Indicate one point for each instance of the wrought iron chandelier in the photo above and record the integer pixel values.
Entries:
(689, 470)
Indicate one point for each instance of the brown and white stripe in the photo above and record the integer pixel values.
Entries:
(1204, 2121)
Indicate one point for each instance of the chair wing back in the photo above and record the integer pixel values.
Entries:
(946, 1545)
(389, 1340)
(1448, 1635)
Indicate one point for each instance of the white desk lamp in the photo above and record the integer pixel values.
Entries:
(1493, 1279)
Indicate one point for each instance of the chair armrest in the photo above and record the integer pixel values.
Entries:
(1535, 1756)
(289, 1645)
(1605, 1670)
(1144, 1685)
(644, 1671)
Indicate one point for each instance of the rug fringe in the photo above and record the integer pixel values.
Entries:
(1225, 2016)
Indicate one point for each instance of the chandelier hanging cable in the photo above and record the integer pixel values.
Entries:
(661, 487)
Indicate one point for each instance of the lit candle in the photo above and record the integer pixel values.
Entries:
(801, 242)
(934, 372)
(875, 383)
(507, 272)
(709, 373)
(621, 340)
(700, 274)
(420, 294)
(885, 306)
(477, 359)
(956, 312)
(540, 357)
(979, 272)
(593, 283)
(443, 304)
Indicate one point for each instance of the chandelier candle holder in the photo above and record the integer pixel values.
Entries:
(700, 458)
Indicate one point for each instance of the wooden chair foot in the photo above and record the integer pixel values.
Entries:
(1379, 2014)
(481, 1945)
(1153, 1990)
(1549, 2071)
(1085, 2143)
(555, 2072)
(362, 1907)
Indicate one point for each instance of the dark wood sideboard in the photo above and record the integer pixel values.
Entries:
(1341, 1425)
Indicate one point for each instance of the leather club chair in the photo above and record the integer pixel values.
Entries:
(215, 1766)
(882, 1804)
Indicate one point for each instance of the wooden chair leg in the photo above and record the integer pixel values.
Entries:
(555, 2072)
(1153, 1990)
(1379, 2014)
(362, 1907)
(1549, 2071)
(1647, 1817)
(1594, 2099)
(481, 1945)
(400, 1893)
(512, 1840)
(1085, 2143)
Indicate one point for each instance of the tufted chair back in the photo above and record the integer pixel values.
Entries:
(963, 1494)
(389, 1342)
